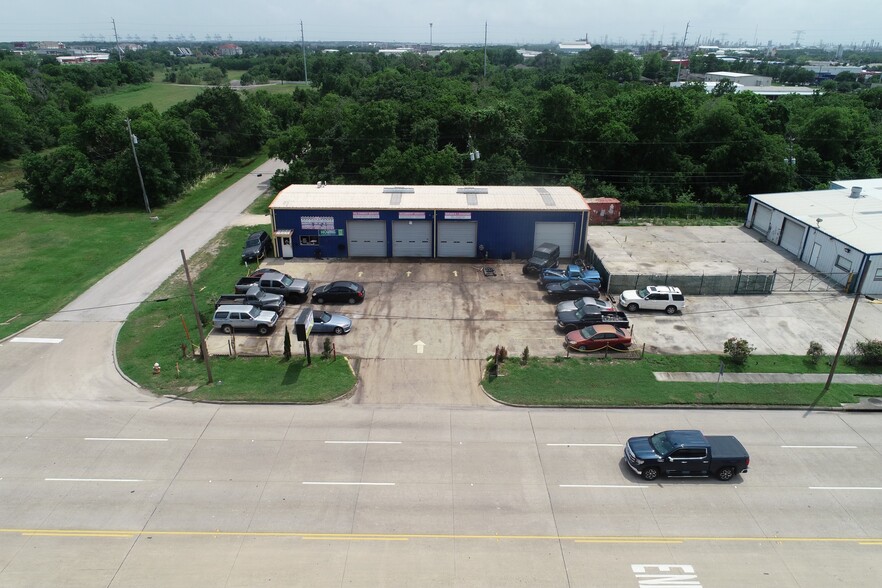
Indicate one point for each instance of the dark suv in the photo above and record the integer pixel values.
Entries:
(255, 246)
(545, 256)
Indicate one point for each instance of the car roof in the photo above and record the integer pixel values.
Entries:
(605, 328)
(256, 234)
(235, 308)
(664, 289)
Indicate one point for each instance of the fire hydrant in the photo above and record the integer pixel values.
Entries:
(156, 369)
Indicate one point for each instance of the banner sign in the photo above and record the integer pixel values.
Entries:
(360, 214)
(316, 222)
(412, 215)
(458, 215)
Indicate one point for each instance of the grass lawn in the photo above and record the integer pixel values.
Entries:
(164, 95)
(155, 333)
(583, 381)
(10, 173)
(47, 258)
(261, 204)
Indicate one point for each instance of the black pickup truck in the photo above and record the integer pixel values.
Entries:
(570, 320)
(254, 296)
(686, 453)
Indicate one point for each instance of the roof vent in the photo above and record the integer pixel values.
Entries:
(547, 198)
(855, 192)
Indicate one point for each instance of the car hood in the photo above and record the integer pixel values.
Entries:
(267, 316)
(574, 337)
(299, 284)
(641, 448)
(267, 298)
(338, 320)
(629, 295)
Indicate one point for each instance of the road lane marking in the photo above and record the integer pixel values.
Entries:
(363, 442)
(88, 480)
(845, 488)
(819, 447)
(35, 340)
(119, 439)
(604, 486)
(583, 445)
(349, 483)
(319, 538)
(77, 534)
(677, 541)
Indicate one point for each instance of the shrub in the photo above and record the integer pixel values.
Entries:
(287, 345)
(326, 348)
(815, 352)
(525, 356)
(869, 352)
(501, 354)
(558, 358)
(738, 350)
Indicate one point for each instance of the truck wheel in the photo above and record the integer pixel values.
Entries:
(263, 329)
(726, 474)
(633, 307)
(338, 330)
(671, 309)
(320, 300)
(227, 329)
(650, 473)
(583, 348)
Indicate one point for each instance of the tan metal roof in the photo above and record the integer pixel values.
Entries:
(344, 197)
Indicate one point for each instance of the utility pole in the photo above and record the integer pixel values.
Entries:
(680, 61)
(857, 297)
(485, 48)
(134, 141)
(303, 44)
(202, 347)
(115, 36)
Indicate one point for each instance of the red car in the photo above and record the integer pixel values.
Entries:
(599, 337)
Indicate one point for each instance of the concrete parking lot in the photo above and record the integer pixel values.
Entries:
(427, 326)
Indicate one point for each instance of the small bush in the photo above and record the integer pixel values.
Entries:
(815, 352)
(558, 358)
(326, 348)
(869, 352)
(287, 344)
(501, 354)
(738, 350)
(525, 356)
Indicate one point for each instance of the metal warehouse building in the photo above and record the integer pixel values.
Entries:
(426, 221)
(836, 231)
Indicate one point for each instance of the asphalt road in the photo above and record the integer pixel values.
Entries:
(102, 484)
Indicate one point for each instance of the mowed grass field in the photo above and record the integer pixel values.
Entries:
(164, 95)
(47, 258)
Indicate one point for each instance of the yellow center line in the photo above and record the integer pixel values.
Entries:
(665, 541)
(83, 534)
(356, 538)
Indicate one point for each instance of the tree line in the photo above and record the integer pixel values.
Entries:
(603, 122)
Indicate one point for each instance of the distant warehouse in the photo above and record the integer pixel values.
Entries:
(427, 221)
(837, 232)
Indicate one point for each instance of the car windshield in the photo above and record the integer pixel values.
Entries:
(661, 444)
(287, 280)
(579, 303)
(254, 312)
(588, 332)
(643, 293)
(252, 243)
(324, 317)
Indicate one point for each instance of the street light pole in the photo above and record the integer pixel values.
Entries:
(134, 141)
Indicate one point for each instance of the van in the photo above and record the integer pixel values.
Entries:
(545, 256)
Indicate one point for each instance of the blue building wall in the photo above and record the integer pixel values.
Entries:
(502, 233)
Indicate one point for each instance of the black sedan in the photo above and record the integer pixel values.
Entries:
(571, 290)
(338, 292)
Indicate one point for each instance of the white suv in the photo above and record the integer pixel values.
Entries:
(666, 298)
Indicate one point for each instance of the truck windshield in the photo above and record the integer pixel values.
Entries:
(287, 281)
(661, 444)
(254, 312)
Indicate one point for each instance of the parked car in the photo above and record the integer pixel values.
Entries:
(265, 270)
(545, 256)
(686, 453)
(325, 322)
(240, 316)
(598, 337)
(342, 291)
(666, 298)
(254, 296)
(571, 272)
(586, 317)
(587, 301)
(255, 246)
(572, 289)
(275, 283)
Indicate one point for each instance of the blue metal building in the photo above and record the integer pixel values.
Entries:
(426, 221)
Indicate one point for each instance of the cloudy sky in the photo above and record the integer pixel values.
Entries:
(453, 21)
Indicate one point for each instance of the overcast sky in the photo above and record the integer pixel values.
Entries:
(453, 21)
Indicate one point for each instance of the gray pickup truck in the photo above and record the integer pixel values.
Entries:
(254, 296)
(686, 453)
(293, 289)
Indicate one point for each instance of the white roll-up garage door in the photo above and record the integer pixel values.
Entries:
(366, 238)
(791, 236)
(561, 234)
(762, 218)
(411, 238)
(457, 239)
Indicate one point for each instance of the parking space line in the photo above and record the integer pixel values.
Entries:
(348, 483)
(615, 486)
(35, 340)
(583, 445)
(88, 480)
(118, 439)
(363, 442)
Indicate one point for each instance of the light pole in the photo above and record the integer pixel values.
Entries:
(134, 141)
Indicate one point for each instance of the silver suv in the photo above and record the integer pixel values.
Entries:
(240, 316)
(666, 298)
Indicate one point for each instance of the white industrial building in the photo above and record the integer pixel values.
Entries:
(837, 231)
(743, 79)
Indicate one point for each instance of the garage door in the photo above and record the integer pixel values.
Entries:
(791, 236)
(762, 218)
(561, 234)
(366, 238)
(411, 239)
(457, 239)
